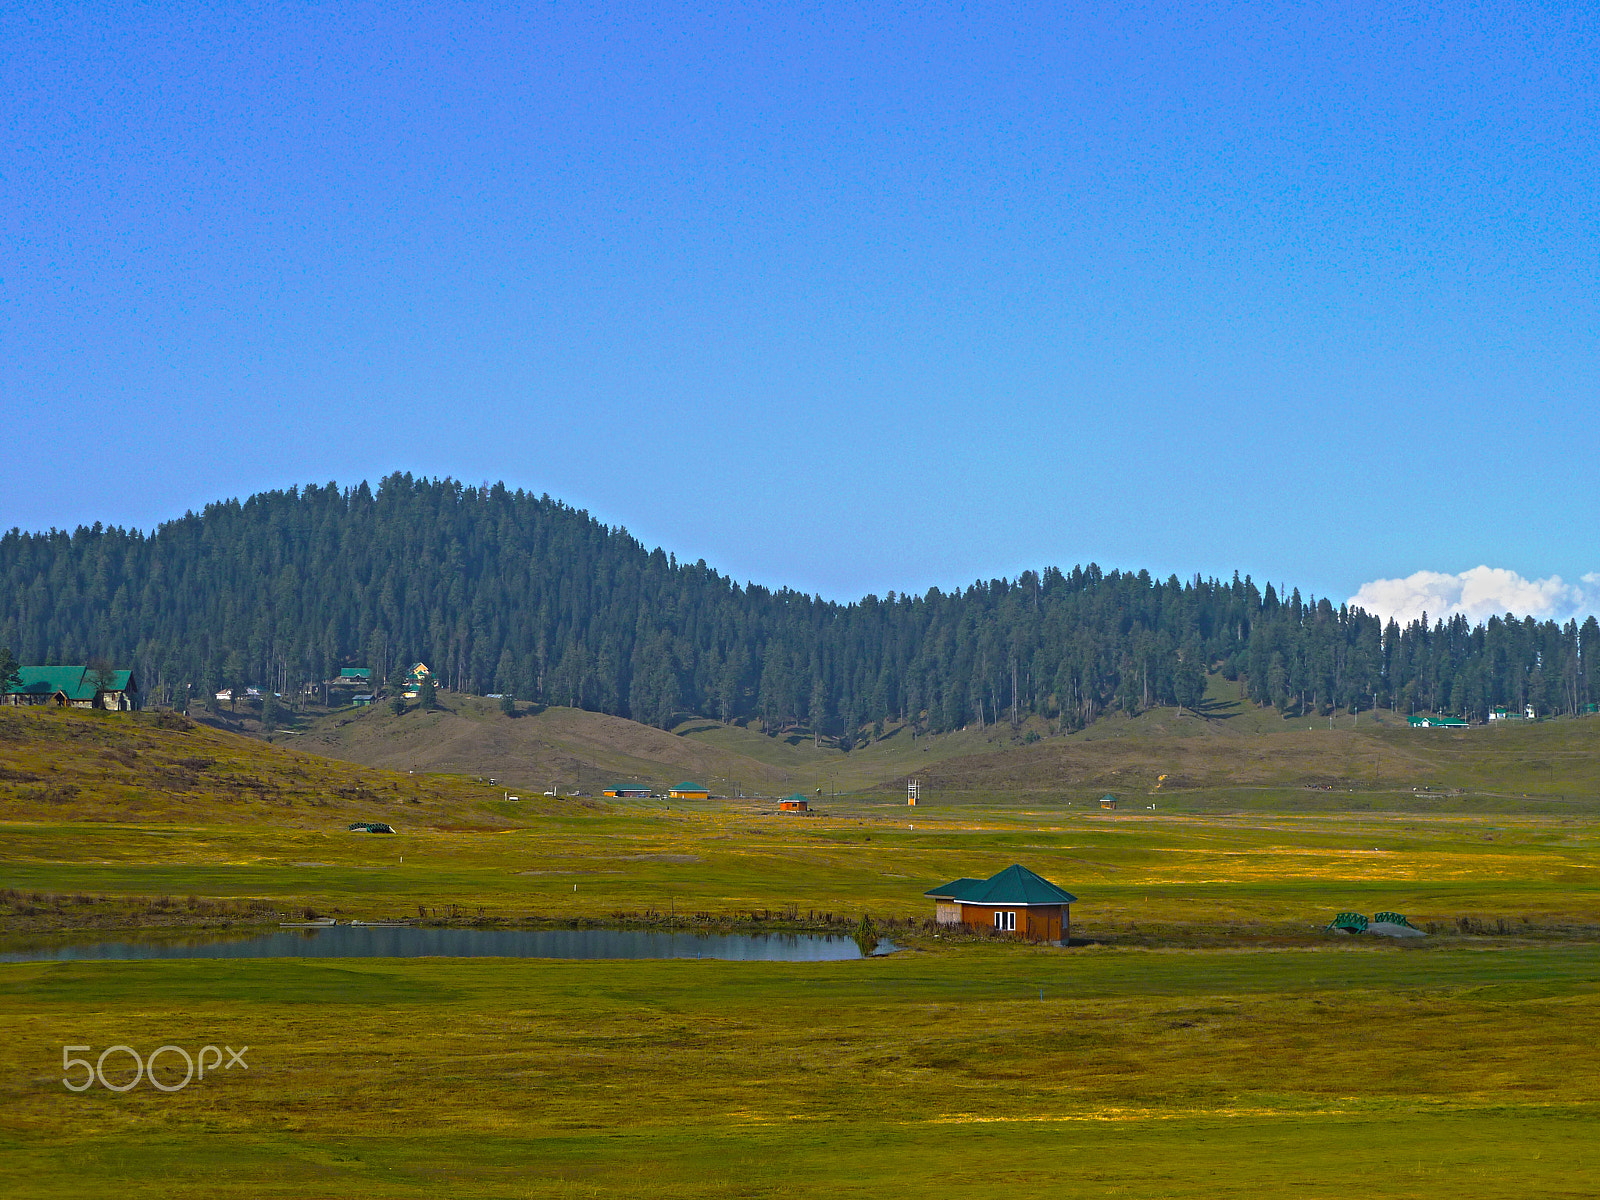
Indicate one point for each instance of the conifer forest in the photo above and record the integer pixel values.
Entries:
(503, 591)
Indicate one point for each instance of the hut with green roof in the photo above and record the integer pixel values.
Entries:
(74, 687)
(1013, 901)
(688, 790)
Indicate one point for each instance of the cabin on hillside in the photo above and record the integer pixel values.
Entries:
(794, 803)
(1014, 901)
(75, 687)
(1429, 721)
(1528, 714)
(411, 681)
(689, 791)
(359, 678)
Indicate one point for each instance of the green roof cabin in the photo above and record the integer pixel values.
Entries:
(689, 791)
(627, 791)
(1015, 901)
(1429, 721)
(75, 687)
(794, 803)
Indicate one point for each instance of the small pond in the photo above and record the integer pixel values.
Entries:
(345, 941)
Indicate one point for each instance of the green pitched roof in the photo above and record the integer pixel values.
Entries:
(686, 786)
(1015, 885)
(47, 681)
(795, 796)
(78, 683)
(951, 890)
(355, 672)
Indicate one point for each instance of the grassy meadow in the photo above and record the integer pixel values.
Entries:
(1228, 745)
(1202, 1037)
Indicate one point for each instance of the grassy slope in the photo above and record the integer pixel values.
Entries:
(1210, 1043)
(1233, 745)
(587, 751)
(90, 766)
(1545, 761)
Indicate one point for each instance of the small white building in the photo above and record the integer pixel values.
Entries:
(1501, 714)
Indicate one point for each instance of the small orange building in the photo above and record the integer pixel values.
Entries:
(1014, 901)
(689, 791)
(794, 803)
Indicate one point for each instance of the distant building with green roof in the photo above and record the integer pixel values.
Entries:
(689, 791)
(75, 687)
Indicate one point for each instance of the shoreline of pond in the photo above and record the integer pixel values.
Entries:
(85, 933)
(592, 942)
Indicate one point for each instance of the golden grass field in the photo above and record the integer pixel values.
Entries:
(1205, 1038)
(1230, 745)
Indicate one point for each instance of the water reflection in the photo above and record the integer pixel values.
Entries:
(367, 942)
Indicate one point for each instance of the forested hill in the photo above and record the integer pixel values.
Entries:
(502, 591)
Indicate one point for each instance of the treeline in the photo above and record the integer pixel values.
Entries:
(505, 591)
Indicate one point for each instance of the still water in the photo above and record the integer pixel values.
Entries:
(345, 941)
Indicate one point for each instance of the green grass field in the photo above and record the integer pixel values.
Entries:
(1203, 1039)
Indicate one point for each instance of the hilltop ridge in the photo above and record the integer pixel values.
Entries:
(502, 591)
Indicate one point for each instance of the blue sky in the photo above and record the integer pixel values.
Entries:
(850, 299)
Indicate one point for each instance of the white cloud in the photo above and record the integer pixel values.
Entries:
(1479, 594)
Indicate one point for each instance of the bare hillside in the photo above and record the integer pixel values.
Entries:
(1229, 743)
(557, 748)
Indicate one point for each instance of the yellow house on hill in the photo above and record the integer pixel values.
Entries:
(689, 791)
(412, 680)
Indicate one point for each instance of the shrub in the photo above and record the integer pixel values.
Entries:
(866, 935)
